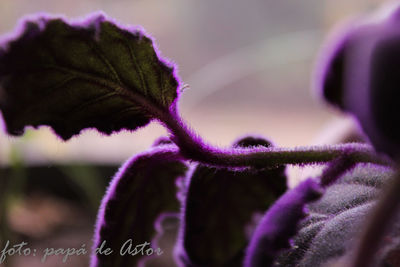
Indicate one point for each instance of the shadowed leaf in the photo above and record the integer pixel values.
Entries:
(142, 189)
(93, 74)
(279, 224)
(334, 221)
(219, 206)
(359, 74)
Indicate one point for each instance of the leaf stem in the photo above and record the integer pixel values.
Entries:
(192, 147)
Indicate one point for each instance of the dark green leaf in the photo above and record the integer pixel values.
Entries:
(141, 190)
(219, 206)
(335, 220)
(95, 74)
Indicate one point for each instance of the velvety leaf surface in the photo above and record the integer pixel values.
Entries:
(142, 189)
(72, 76)
(359, 73)
(335, 220)
(219, 206)
(279, 224)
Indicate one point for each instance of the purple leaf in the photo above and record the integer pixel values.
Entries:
(218, 206)
(143, 188)
(279, 224)
(73, 76)
(359, 73)
(335, 220)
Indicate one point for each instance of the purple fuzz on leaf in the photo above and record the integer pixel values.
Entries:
(360, 74)
(73, 76)
(279, 224)
(218, 208)
(143, 189)
(333, 222)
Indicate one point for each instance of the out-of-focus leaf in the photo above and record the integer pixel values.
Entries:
(92, 74)
(219, 205)
(359, 73)
(335, 220)
(141, 190)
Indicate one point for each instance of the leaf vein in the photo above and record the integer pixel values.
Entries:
(138, 69)
(153, 108)
(93, 102)
(103, 58)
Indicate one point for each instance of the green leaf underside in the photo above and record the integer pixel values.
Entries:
(335, 220)
(143, 189)
(219, 206)
(72, 77)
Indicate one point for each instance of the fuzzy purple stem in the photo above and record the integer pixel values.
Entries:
(193, 148)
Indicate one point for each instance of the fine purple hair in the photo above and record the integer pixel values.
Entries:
(29, 30)
(119, 186)
(357, 72)
(279, 224)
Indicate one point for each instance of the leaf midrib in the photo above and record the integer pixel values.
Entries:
(115, 88)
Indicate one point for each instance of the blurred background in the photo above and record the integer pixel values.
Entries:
(246, 66)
